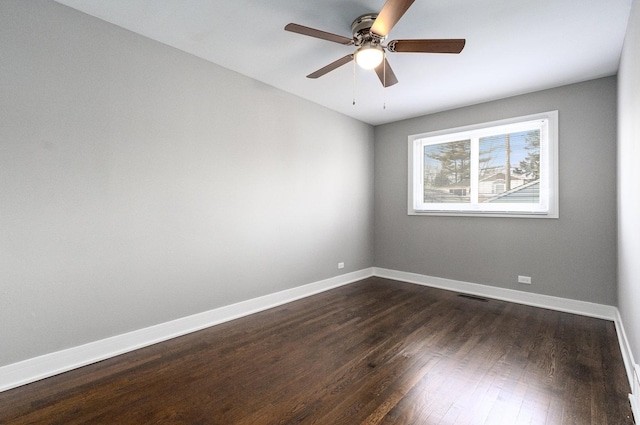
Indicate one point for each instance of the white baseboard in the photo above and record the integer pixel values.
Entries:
(34, 369)
(634, 397)
(633, 369)
(583, 308)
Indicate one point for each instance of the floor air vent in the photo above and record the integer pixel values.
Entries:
(473, 297)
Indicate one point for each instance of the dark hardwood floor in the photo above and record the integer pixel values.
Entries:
(373, 352)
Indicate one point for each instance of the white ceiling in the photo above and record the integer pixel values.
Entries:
(513, 46)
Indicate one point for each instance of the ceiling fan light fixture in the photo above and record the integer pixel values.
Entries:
(369, 55)
(369, 32)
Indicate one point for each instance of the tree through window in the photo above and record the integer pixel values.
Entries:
(447, 172)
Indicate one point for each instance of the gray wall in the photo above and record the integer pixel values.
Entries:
(628, 193)
(573, 256)
(139, 184)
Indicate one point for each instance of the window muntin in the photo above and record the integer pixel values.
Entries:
(464, 171)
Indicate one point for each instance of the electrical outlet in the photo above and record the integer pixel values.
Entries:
(341, 265)
(524, 279)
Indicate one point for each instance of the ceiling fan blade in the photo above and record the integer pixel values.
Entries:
(453, 45)
(385, 74)
(312, 32)
(331, 66)
(390, 14)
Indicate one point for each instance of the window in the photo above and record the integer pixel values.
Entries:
(506, 168)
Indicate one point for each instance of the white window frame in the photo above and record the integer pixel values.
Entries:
(547, 207)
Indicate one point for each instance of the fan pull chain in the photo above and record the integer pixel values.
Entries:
(354, 82)
(384, 79)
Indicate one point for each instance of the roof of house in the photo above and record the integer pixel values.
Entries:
(529, 192)
(499, 176)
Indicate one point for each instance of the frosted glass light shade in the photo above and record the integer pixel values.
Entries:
(369, 56)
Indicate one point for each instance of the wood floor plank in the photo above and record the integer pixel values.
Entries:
(373, 352)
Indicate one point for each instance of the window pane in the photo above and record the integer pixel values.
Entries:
(447, 172)
(509, 168)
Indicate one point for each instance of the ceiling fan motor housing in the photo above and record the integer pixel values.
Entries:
(361, 29)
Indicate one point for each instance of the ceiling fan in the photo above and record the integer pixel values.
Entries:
(369, 32)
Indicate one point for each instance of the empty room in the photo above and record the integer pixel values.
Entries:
(328, 212)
